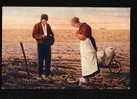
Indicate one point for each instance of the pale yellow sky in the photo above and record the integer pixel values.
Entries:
(26, 17)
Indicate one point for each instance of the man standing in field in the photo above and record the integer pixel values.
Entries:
(44, 36)
(87, 50)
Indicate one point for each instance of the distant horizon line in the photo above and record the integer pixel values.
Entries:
(68, 29)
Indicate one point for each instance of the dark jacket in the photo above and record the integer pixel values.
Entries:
(38, 32)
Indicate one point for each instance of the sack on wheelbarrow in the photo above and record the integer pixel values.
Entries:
(101, 57)
(109, 55)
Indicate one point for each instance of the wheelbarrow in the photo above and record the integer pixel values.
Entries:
(108, 58)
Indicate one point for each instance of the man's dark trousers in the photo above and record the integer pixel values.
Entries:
(44, 55)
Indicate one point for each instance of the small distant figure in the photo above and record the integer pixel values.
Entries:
(44, 36)
(87, 50)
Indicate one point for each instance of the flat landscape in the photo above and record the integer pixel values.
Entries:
(66, 68)
(67, 35)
